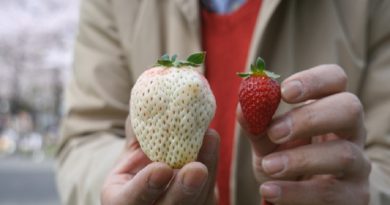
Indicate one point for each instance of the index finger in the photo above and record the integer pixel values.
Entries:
(262, 144)
(314, 83)
(147, 185)
(131, 162)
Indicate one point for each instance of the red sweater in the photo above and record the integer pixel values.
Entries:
(226, 39)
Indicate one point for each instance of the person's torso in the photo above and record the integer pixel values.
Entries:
(290, 35)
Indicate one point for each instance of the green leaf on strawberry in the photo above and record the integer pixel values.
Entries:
(258, 69)
(173, 59)
(196, 58)
(165, 61)
(193, 60)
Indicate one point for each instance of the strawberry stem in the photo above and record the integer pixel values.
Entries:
(258, 69)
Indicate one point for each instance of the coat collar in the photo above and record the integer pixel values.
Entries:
(191, 11)
(191, 8)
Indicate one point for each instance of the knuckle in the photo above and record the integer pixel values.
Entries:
(308, 80)
(305, 118)
(328, 190)
(107, 196)
(296, 162)
(311, 115)
(185, 194)
(340, 74)
(256, 163)
(368, 166)
(348, 156)
(258, 169)
(354, 106)
(143, 198)
(353, 159)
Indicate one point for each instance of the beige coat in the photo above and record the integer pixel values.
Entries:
(118, 39)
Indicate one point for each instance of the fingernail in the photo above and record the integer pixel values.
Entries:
(270, 191)
(280, 131)
(274, 164)
(292, 90)
(193, 181)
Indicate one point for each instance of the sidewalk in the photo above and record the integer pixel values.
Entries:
(23, 182)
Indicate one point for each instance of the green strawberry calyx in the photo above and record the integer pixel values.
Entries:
(258, 69)
(194, 60)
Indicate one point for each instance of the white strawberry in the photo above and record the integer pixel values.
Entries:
(171, 108)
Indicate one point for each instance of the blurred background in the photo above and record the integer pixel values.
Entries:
(36, 40)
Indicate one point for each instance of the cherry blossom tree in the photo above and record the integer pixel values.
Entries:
(36, 40)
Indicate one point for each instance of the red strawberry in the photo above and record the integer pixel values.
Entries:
(259, 96)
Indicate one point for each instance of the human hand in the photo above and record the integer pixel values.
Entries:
(313, 154)
(136, 180)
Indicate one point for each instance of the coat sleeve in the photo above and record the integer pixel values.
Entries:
(96, 107)
(375, 96)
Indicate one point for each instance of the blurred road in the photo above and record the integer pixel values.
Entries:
(23, 182)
